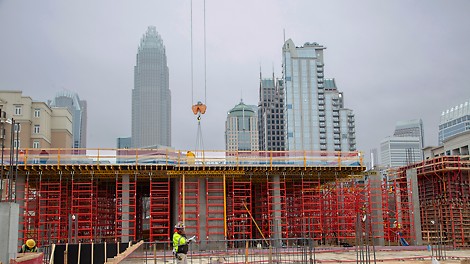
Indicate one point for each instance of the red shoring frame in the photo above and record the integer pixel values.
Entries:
(160, 228)
(310, 221)
(260, 209)
(105, 209)
(239, 223)
(83, 209)
(29, 225)
(126, 220)
(349, 195)
(50, 211)
(214, 208)
(191, 212)
(294, 208)
(329, 213)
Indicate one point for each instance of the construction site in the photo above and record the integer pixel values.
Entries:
(252, 200)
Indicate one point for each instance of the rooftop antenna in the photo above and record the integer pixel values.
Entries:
(284, 33)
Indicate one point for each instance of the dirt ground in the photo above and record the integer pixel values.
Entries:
(382, 255)
(392, 256)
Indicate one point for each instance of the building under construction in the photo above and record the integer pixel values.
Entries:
(123, 195)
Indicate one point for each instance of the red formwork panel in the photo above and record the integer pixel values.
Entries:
(191, 204)
(126, 207)
(214, 208)
(444, 193)
(159, 224)
(83, 210)
(239, 222)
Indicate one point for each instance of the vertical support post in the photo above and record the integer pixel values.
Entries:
(415, 216)
(377, 210)
(8, 231)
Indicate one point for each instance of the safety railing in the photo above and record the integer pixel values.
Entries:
(181, 158)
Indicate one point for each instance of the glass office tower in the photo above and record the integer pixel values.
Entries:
(78, 109)
(315, 116)
(454, 121)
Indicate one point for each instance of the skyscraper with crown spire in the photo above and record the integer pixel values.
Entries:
(151, 96)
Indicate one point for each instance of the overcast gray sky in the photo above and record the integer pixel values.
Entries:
(394, 60)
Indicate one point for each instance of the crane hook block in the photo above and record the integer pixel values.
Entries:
(199, 108)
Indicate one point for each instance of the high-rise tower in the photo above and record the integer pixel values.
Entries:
(405, 146)
(78, 109)
(271, 121)
(241, 128)
(151, 96)
(410, 128)
(315, 115)
(454, 121)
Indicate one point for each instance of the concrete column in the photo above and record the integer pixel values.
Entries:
(8, 231)
(377, 211)
(202, 213)
(125, 209)
(415, 215)
(277, 208)
(175, 200)
(20, 195)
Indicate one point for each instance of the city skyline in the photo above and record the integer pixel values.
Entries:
(393, 60)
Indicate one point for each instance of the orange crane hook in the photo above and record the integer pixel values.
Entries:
(199, 109)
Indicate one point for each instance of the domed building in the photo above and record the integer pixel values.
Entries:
(241, 128)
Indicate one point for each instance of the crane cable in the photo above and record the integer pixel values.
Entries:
(199, 108)
(192, 58)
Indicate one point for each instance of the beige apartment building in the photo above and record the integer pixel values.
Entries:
(37, 125)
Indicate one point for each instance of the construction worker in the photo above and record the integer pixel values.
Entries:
(191, 157)
(180, 243)
(29, 246)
